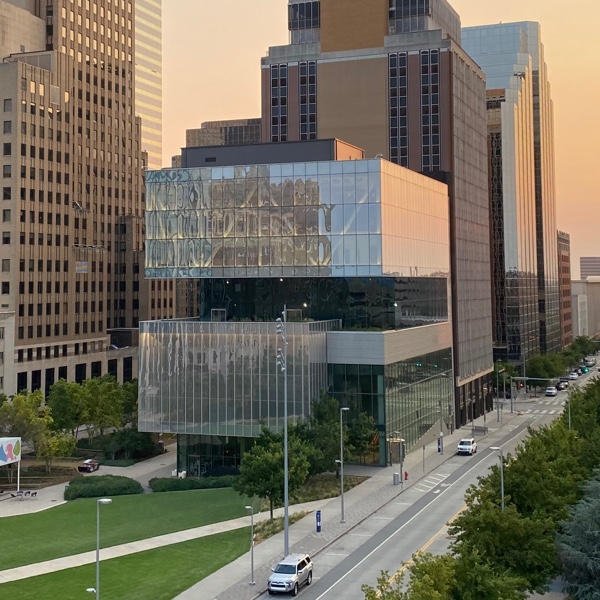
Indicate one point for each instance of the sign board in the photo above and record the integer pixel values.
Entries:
(10, 451)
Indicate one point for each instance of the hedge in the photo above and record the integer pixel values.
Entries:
(167, 484)
(102, 485)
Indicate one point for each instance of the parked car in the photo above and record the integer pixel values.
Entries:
(574, 375)
(551, 391)
(292, 572)
(88, 466)
(467, 446)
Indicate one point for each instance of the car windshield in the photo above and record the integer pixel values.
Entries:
(285, 569)
(465, 442)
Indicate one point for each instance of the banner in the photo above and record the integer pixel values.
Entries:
(10, 450)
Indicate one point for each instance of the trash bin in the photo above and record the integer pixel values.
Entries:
(396, 478)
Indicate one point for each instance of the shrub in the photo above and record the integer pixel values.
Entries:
(191, 483)
(103, 485)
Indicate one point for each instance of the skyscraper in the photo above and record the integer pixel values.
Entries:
(72, 210)
(493, 47)
(391, 77)
(589, 266)
(510, 117)
(148, 77)
(564, 266)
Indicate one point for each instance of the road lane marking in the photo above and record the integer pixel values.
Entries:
(358, 564)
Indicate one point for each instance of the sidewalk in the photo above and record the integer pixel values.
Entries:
(49, 497)
(360, 503)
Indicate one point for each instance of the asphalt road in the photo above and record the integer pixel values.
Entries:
(415, 521)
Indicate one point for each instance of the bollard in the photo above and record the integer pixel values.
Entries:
(439, 444)
(396, 478)
(318, 514)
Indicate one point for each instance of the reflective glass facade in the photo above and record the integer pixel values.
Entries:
(521, 137)
(321, 219)
(221, 379)
(359, 302)
(404, 398)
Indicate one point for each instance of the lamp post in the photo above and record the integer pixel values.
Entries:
(342, 411)
(501, 457)
(441, 429)
(281, 327)
(96, 590)
(251, 509)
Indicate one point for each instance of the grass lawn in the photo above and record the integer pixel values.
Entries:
(71, 528)
(159, 574)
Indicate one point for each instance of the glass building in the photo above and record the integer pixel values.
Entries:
(522, 187)
(359, 253)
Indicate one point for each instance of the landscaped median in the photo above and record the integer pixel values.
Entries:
(159, 574)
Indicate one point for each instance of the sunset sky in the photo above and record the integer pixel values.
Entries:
(211, 62)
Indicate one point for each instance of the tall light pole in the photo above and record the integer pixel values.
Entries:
(441, 429)
(251, 509)
(501, 457)
(99, 502)
(281, 327)
(343, 409)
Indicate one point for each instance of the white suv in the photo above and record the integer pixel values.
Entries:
(467, 446)
(292, 572)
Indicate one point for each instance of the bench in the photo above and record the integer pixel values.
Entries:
(478, 430)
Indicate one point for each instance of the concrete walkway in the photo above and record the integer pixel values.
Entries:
(232, 581)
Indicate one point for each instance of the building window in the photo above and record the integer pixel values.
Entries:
(7, 105)
(6, 238)
(430, 110)
(7, 127)
(5, 287)
(307, 87)
(398, 102)
(279, 96)
(6, 215)
(6, 171)
(6, 193)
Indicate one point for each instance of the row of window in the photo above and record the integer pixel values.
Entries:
(57, 351)
(46, 331)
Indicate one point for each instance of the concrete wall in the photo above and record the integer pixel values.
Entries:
(19, 27)
(386, 347)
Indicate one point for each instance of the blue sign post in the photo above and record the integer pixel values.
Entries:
(318, 513)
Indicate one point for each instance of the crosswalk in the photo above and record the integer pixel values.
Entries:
(545, 407)
(430, 482)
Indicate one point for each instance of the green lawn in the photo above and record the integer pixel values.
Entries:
(71, 528)
(157, 574)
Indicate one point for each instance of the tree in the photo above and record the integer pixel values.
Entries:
(53, 445)
(261, 470)
(578, 546)
(130, 403)
(361, 435)
(520, 546)
(26, 416)
(103, 403)
(68, 407)
(387, 588)
(324, 434)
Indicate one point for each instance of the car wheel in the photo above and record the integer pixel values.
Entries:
(309, 578)
(295, 590)
(271, 592)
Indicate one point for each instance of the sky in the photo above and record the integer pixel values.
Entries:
(211, 70)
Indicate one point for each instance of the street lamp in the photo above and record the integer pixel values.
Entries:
(441, 428)
(281, 327)
(96, 590)
(251, 509)
(342, 411)
(501, 457)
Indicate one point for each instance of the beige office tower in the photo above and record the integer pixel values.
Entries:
(72, 204)
(148, 77)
